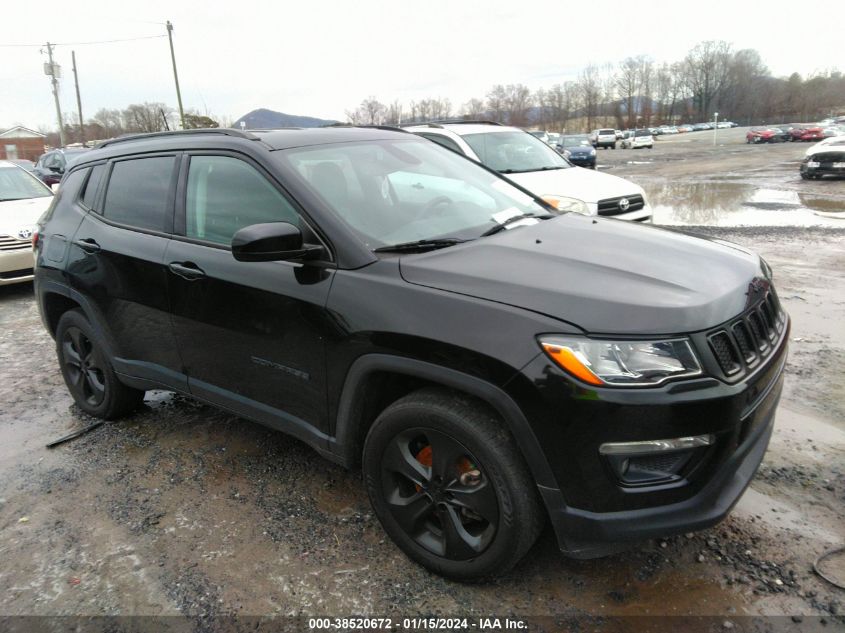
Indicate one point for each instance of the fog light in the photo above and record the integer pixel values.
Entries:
(652, 461)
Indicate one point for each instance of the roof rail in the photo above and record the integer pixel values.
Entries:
(274, 129)
(423, 124)
(442, 122)
(213, 130)
(391, 128)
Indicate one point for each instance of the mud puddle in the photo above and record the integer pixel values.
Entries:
(741, 204)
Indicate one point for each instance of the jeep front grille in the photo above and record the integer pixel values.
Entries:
(749, 339)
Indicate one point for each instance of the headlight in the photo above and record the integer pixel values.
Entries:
(593, 152)
(562, 203)
(622, 363)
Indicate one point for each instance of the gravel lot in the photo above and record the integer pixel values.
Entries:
(183, 510)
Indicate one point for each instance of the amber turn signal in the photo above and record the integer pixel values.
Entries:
(567, 359)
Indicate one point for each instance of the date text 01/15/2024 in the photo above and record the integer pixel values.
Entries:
(418, 624)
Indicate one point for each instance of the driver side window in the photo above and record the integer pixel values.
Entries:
(225, 194)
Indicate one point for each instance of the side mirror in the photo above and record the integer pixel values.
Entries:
(272, 241)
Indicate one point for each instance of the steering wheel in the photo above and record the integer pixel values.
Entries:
(431, 205)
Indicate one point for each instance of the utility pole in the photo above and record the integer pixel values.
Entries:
(55, 83)
(175, 74)
(78, 100)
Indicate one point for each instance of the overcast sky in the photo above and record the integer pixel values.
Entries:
(321, 58)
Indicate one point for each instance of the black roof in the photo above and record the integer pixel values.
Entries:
(272, 139)
(284, 139)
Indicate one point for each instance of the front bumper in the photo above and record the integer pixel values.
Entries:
(584, 534)
(593, 511)
(824, 168)
(583, 161)
(16, 266)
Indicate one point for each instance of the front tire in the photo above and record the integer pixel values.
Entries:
(449, 487)
(88, 372)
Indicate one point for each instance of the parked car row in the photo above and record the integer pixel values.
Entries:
(802, 133)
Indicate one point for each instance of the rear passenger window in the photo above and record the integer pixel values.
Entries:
(137, 193)
(226, 194)
(89, 194)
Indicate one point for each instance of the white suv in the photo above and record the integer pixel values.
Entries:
(603, 138)
(634, 139)
(532, 164)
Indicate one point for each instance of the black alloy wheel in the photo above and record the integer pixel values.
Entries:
(88, 372)
(437, 492)
(449, 486)
(83, 367)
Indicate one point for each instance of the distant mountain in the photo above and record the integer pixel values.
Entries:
(262, 118)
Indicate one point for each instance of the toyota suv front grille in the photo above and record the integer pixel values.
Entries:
(616, 206)
(9, 243)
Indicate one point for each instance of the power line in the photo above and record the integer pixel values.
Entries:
(129, 39)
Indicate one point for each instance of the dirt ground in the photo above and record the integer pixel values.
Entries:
(184, 510)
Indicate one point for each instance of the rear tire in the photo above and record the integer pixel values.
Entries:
(88, 372)
(468, 525)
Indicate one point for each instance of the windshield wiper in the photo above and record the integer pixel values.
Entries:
(420, 245)
(515, 218)
(525, 171)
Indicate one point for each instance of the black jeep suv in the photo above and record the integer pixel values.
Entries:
(487, 361)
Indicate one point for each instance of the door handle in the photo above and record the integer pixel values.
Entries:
(187, 270)
(87, 244)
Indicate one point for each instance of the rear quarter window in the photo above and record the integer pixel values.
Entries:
(89, 193)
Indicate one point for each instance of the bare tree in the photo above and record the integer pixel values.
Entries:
(147, 117)
(395, 114)
(497, 102)
(370, 112)
(473, 109)
(517, 103)
(706, 70)
(590, 92)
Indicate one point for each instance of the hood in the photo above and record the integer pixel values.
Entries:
(831, 148)
(579, 149)
(601, 275)
(16, 215)
(576, 182)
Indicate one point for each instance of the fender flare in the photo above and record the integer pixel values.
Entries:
(519, 427)
(91, 313)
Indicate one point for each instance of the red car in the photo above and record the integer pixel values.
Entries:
(761, 135)
(807, 134)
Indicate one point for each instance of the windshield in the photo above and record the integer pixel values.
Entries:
(513, 152)
(642, 133)
(395, 191)
(17, 184)
(575, 141)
